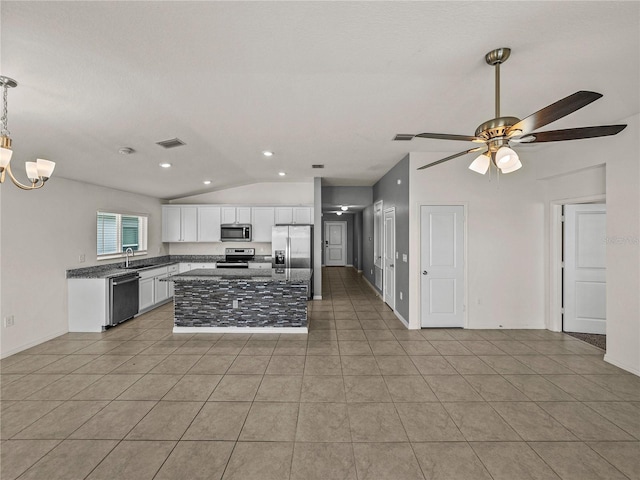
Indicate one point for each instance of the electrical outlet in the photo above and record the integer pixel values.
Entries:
(235, 304)
(82, 258)
(404, 257)
(371, 271)
(397, 255)
(9, 321)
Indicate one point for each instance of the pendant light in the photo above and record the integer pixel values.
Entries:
(38, 172)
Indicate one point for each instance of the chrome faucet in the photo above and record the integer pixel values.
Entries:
(126, 253)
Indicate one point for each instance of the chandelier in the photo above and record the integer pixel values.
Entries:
(38, 172)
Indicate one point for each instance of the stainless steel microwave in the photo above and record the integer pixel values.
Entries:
(235, 232)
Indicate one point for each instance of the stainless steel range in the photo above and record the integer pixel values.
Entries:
(237, 258)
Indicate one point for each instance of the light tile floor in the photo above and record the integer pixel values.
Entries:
(359, 397)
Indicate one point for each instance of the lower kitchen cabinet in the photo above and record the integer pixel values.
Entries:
(147, 295)
(153, 288)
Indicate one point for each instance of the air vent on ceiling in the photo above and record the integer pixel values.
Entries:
(403, 136)
(317, 165)
(172, 143)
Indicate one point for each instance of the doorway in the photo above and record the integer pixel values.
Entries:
(584, 255)
(442, 271)
(335, 244)
(389, 258)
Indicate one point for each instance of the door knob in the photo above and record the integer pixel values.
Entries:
(391, 265)
(424, 272)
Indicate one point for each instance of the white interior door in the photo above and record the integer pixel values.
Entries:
(389, 258)
(442, 265)
(584, 253)
(335, 244)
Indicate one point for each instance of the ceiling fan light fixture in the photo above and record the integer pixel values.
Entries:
(506, 158)
(481, 163)
(513, 168)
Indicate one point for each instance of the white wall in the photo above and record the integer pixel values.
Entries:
(505, 225)
(267, 193)
(620, 156)
(43, 234)
(508, 232)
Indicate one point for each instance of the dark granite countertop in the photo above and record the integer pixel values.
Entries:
(116, 270)
(288, 275)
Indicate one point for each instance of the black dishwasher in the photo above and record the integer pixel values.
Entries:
(123, 298)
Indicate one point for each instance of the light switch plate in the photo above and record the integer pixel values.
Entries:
(404, 257)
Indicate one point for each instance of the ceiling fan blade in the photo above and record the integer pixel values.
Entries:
(554, 112)
(451, 157)
(574, 133)
(446, 136)
(438, 136)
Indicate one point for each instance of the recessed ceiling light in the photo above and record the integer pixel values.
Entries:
(207, 182)
(338, 213)
(344, 209)
(267, 153)
(282, 174)
(165, 165)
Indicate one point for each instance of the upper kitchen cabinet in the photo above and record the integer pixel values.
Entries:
(209, 224)
(262, 220)
(235, 215)
(290, 215)
(179, 223)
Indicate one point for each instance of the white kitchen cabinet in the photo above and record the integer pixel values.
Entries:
(262, 220)
(179, 223)
(208, 223)
(172, 270)
(235, 215)
(146, 296)
(152, 291)
(302, 215)
(294, 215)
(161, 288)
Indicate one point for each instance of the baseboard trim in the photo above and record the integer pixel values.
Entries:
(317, 297)
(372, 286)
(621, 365)
(240, 330)
(401, 318)
(34, 343)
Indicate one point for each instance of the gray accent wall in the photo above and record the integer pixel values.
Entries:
(394, 194)
(347, 196)
(367, 244)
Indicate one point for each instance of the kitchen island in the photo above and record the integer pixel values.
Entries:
(241, 300)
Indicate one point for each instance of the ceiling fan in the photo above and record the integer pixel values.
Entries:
(496, 134)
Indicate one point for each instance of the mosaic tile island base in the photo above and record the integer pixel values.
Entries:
(245, 300)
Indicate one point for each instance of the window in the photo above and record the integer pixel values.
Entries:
(118, 231)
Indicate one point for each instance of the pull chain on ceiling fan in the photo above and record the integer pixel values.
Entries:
(496, 134)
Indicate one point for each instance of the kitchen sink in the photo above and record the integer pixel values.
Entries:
(137, 267)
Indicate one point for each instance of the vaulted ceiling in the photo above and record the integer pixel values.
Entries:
(316, 82)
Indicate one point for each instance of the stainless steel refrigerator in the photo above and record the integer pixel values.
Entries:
(292, 246)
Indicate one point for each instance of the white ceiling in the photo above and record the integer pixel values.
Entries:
(316, 82)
